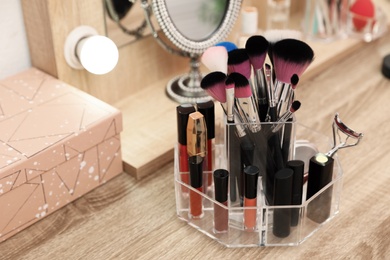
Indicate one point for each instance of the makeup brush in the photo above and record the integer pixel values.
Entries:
(215, 58)
(238, 61)
(256, 47)
(229, 86)
(229, 46)
(214, 84)
(275, 35)
(287, 115)
(290, 56)
(287, 133)
(272, 102)
(243, 95)
(294, 82)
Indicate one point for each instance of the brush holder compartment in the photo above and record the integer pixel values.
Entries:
(268, 219)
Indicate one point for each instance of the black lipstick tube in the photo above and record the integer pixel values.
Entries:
(282, 197)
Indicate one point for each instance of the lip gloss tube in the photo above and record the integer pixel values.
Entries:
(251, 174)
(320, 174)
(207, 110)
(197, 150)
(221, 214)
(196, 180)
(182, 113)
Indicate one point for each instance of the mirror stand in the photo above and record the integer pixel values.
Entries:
(184, 88)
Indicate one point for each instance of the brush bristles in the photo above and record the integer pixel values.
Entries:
(229, 83)
(295, 106)
(257, 47)
(214, 84)
(294, 81)
(237, 56)
(293, 50)
(276, 35)
(238, 61)
(242, 88)
(291, 56)
(215, 58)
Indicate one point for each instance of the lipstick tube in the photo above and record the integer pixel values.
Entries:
(182, 113)
(298, 168)
(320, 174)
(196, 180)
(208, 111)
(251, 174)
(221, 214)
(282, 197)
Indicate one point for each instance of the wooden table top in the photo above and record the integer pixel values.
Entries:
(136, 219)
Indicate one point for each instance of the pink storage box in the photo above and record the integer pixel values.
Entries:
(56, 144)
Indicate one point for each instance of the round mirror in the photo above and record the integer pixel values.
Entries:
(192, 26)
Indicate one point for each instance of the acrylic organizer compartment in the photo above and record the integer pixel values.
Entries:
(227, 222)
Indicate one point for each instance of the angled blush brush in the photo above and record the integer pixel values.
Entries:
(215, 58)
(256, 47)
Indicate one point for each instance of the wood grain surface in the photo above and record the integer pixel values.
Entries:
(136, 219)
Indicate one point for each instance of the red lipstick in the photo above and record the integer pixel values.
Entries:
(182, 113)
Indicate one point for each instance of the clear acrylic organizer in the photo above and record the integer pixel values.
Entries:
(305, 142)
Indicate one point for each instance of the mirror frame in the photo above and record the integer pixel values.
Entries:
(190, 46)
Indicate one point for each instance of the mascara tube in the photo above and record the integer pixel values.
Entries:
(320, 174)
(251, 174)
(221, 214)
